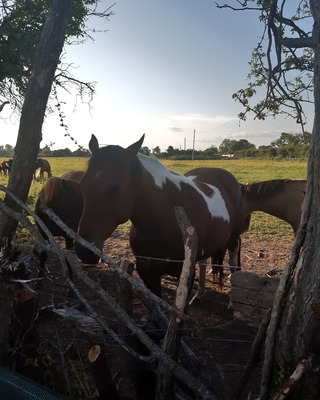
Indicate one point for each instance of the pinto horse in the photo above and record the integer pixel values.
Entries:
(282, 198)
(63, 196)
(120, 184)
(42, 166)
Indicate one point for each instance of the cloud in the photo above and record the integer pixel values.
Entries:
(176, 129)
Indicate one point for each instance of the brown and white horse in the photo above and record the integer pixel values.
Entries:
(120, 184)
(282, 198)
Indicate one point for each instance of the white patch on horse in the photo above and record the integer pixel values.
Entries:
(215, 202)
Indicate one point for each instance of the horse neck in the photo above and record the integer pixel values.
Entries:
(285, 205)
(150, 195)
(272, 205)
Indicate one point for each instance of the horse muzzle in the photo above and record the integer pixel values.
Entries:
(86, 256)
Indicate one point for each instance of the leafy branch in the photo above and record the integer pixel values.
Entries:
(281, 65)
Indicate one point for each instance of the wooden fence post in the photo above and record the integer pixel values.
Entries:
(172, 341)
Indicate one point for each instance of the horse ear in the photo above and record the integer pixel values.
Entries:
(93, 144)
(133, 149)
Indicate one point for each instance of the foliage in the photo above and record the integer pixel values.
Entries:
(282, 63)
(21, 25)
(229, 146)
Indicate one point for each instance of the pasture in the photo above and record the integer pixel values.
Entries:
(246, 171)
(226, 341)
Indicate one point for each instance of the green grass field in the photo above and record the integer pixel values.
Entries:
(246, 171)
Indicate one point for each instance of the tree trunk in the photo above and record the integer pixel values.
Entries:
(33, 111)
(292, 337)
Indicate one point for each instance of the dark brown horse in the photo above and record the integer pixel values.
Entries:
(120, 184)
(42, 166)
(63, 196)
(5, 167)
(282, 198)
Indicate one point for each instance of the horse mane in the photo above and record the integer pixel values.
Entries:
(264, 189)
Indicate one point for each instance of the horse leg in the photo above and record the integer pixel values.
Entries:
(202, 283)
(150, 276)
(234, 256)
(69, 242)
(217, 265)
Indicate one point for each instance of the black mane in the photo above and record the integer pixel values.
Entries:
(265, 189)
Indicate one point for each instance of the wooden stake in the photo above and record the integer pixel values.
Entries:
(102, 374)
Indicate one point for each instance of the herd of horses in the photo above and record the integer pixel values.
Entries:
(121, 184)
(42, 166)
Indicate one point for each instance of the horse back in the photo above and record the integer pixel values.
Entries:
(65, 199)
(229, 187)
(73, 175)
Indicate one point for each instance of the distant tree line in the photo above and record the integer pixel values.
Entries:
(8, 151)
(287, 146)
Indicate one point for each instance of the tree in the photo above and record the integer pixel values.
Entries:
(38, 67)
(145, 150)
(156, 151)
(291, 343)
(229, 146)
(33, 111)
(289, 48)
(21, 25)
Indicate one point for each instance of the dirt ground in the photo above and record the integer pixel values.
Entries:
(61, 361)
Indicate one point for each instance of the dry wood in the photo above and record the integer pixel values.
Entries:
(133, 368)
(138, 287)
(294, 378)
(102, 374)
(171, 344)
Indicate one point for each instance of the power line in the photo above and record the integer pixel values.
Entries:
(220, 126)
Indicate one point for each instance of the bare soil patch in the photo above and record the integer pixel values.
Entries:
(60, 361)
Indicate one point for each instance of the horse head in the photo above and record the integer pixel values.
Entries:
(108, 190)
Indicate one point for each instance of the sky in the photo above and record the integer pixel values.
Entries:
(164, 68)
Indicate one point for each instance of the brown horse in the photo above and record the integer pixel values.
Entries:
(282, 198)
(63, 196)
(120, 184)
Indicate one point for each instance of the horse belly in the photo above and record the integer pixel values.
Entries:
(216, 238)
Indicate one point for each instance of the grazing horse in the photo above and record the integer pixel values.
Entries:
(42, 166)
(4, 168)
(282, 198)
(63, 196)
(120, 184)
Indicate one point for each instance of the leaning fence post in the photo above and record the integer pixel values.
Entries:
(172, 340)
